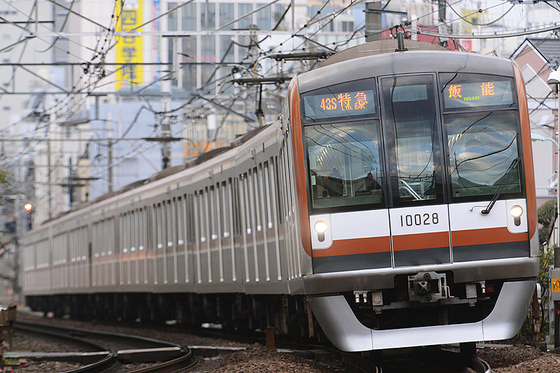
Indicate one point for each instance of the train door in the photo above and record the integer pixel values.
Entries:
(482, 134)
(419, 219)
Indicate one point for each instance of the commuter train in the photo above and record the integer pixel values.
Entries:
(391, 205)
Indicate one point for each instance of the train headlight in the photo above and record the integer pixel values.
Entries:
(516, 211)
(320, 227)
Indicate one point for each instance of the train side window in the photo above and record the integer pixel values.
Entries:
(246, 206)
(158, 226)
(133, 231)
(166, 225)
(202, 215)
(180, 223)
(257, 195)
(214, 212)
(286, 187)
(190, 218)
(252, 200)
(170, 223)
(141, 230)
(111, 229)
(163, 226)
(124, 234)
(208, 216)
(218, 212)
(267, 192)
(277, 196)
(226, 211)
(235, 201)
(196, 222)
(345, 167)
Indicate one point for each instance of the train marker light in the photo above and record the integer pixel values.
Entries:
(516, 211)
(321, 228)
(28, 207)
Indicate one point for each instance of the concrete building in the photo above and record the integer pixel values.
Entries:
(125, 80)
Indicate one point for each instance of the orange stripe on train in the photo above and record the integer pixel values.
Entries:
(421, 241)
(485, 236)
(356, 246)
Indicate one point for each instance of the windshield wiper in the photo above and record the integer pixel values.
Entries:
(488, 208)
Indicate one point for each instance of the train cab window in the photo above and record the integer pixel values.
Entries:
(410, 121)
(481, 124)
(345, 164)
(483, 153)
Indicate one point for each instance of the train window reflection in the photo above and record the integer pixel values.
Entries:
(482, 148)
(344, 164)
(415, 164)
(410, 121)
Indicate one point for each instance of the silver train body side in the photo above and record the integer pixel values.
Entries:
(136, 240)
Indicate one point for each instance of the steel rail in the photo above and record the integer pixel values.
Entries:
(170, 356)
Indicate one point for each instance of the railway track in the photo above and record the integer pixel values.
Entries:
(413, 360)
(107, 351)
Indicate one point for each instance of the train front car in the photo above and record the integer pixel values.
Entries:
(417, 198)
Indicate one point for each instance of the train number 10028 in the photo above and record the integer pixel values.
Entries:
(419, 219)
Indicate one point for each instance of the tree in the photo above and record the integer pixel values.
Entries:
(546, 216)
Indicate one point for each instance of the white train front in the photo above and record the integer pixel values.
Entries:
(393, 203)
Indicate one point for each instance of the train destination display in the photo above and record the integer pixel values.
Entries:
(341, 104)
(488, 93)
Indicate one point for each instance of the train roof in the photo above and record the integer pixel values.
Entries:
(380, 47)
(379, 58)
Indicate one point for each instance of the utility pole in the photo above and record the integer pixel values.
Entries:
(373, 21)
(110, 151)
(52, 119)
(165, 125)
(442, 28)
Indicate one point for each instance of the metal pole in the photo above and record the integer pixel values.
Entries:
(554, 78)
(110, 136)
(49, 173)
(538, 137)
(558, 169)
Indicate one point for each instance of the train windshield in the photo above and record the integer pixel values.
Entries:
(481, 124)
(345, 165)
(483, 153)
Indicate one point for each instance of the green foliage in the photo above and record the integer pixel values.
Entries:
(547, 260)
(543, 236)
(5, 186)
(526, 333)
(545, 217)
(546, 213)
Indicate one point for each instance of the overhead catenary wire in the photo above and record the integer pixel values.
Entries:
(467, 20)
(210, 82)
(496, 35)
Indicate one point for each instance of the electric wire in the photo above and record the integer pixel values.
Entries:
(307, 38)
